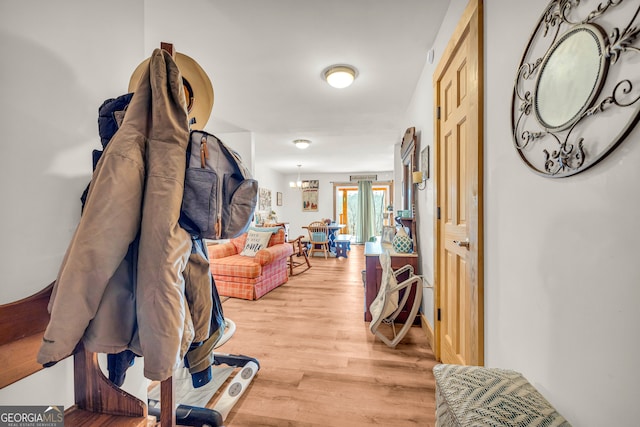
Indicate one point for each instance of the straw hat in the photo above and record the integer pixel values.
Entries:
(197, 88)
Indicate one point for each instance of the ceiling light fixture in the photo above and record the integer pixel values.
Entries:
(340, 76)
(298, 182)
(302, 143)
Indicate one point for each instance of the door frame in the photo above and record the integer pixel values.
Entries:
(471, 21)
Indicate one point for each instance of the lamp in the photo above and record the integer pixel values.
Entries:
(302, 143)
(417, 179)
(340, 76)
(298, 182)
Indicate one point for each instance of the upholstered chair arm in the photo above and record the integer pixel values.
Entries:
(222, 250)
(273, 253)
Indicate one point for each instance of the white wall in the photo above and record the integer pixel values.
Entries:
(53, 80)
(561, 280)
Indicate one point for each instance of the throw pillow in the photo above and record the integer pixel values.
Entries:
(272, 230)
(319, 236)
(256, 240)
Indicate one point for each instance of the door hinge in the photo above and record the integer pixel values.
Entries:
(438, 315)
(438, 212)
(438, 112)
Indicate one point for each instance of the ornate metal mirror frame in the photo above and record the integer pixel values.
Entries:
(576, 93)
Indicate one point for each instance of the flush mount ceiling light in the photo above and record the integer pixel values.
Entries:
(302, 143)
(340, 76)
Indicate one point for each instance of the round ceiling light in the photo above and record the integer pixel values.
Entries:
(302, 143)
(340, 76)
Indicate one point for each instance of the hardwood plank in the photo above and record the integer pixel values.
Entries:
(319, 363)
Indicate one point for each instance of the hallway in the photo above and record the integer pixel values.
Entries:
(320, 365)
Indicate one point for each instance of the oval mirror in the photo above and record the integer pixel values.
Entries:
(576, 96)
(571, 76)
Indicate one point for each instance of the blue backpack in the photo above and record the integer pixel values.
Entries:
(220, 194)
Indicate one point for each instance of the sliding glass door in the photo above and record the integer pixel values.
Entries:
(346, 204)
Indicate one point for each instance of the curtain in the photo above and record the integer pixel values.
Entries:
(365, 220)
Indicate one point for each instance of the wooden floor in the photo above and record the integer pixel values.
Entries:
(320, 364)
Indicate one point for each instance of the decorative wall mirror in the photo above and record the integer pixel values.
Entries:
(408, 155)
(576, 92)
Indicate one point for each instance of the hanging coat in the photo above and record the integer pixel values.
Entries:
(136, 191)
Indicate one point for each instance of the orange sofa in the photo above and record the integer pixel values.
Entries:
(248, 277)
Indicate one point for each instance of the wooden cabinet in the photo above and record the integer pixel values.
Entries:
(373, 276)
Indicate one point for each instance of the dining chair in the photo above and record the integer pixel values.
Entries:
(318, 238)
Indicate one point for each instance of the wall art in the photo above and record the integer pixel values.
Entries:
(310, 195)
(264, 199)
(577, 87)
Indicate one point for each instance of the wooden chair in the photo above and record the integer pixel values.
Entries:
(319, 238)
(299, 250)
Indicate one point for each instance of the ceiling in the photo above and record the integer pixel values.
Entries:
(265, 59)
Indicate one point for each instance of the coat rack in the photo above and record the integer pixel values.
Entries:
(98, 401)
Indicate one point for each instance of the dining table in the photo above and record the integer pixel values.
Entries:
(334, 228)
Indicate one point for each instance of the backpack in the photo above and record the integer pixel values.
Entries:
(220, 194)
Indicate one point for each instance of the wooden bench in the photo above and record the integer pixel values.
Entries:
(98, 402)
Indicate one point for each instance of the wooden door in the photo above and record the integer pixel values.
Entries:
(459, 274)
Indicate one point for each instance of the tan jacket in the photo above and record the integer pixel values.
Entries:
(136, 189)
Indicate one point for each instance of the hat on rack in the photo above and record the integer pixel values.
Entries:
(197, 88)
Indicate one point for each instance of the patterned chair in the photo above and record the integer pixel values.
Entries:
(248, 277)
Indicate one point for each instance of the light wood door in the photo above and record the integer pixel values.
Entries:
(459, 299)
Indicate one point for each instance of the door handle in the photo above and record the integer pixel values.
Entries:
(462, 243)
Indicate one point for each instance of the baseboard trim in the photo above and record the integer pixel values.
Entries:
(428, 331)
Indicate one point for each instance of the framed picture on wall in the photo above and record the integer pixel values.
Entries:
(278, 198)
(264, 199)
(310, 195)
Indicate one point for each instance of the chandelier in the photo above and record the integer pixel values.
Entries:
(298, 182)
